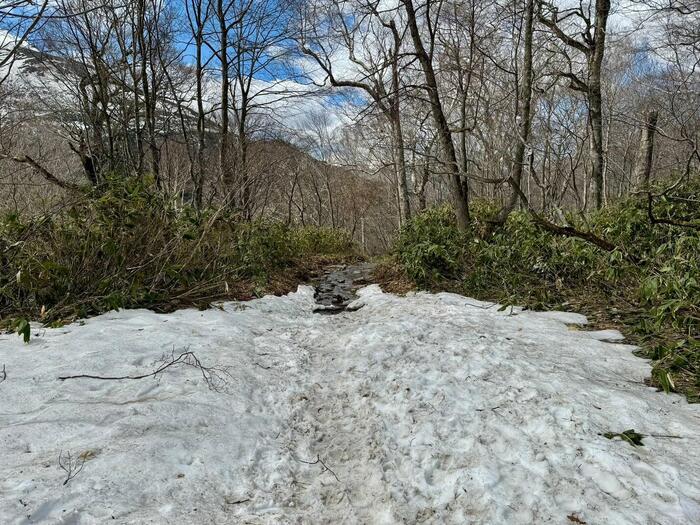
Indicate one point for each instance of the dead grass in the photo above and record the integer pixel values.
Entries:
(391, 277)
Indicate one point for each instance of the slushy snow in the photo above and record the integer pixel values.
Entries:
(418, 409)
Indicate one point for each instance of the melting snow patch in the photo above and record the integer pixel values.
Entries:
(426, 408)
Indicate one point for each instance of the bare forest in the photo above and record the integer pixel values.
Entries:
(341, 113)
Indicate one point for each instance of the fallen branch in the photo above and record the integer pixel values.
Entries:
(655, 220)
(72, 466)
(215, 378)
(564, 231)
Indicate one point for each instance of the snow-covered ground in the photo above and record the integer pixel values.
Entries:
(423, 409)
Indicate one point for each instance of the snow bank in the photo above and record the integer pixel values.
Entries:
(428, 408)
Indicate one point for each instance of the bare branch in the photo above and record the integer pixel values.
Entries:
(70, 465)
(216, 379)
(41, 170)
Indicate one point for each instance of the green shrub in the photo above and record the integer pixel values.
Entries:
(654, 276)
(128, 246)
(263, 246)
(321, 240)
(430, 246)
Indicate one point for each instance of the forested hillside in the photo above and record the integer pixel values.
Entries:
(578, 107)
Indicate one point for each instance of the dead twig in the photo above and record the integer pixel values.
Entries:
(3, 374)
(346, 492)
(325, 467)
(237, 502)
(328, 469)
(490, 408)
(318, 459)
(216, 379)
(70, 465)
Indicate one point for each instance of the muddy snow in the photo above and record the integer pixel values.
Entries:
(418, 409)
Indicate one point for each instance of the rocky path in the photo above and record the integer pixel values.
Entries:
(336, 287)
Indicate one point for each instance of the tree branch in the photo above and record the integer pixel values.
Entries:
(41, 170)
(655, 220)
(215, 378)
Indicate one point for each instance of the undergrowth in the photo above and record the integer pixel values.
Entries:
(649, 287)
(125, 245)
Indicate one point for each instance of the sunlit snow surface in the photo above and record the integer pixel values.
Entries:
(422, 409)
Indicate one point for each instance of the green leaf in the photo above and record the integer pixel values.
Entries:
(23, 328)
(632, 437)
(665, 380)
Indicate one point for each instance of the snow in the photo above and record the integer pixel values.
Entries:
(417, 409)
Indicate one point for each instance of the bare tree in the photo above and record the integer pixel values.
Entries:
(197, 12)
(459, 186)
(593, 31)
(372, 43)
(524, 107)
(18, 20)
(259, 50)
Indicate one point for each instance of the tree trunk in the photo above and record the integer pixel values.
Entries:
(642, 173)
(224, 166)
(595, 98)
(149, 96)
(524, 115)
(425, 176)
(242, 165)
(400, 161)
(461, 204)
(199, 155)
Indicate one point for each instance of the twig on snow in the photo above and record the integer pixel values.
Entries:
(72, 466)
(309, 462)
(319, 460)
(490, 408)
(329, 469)
(3, 374)
(237, 502)
(346, 492)
(216, 379)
